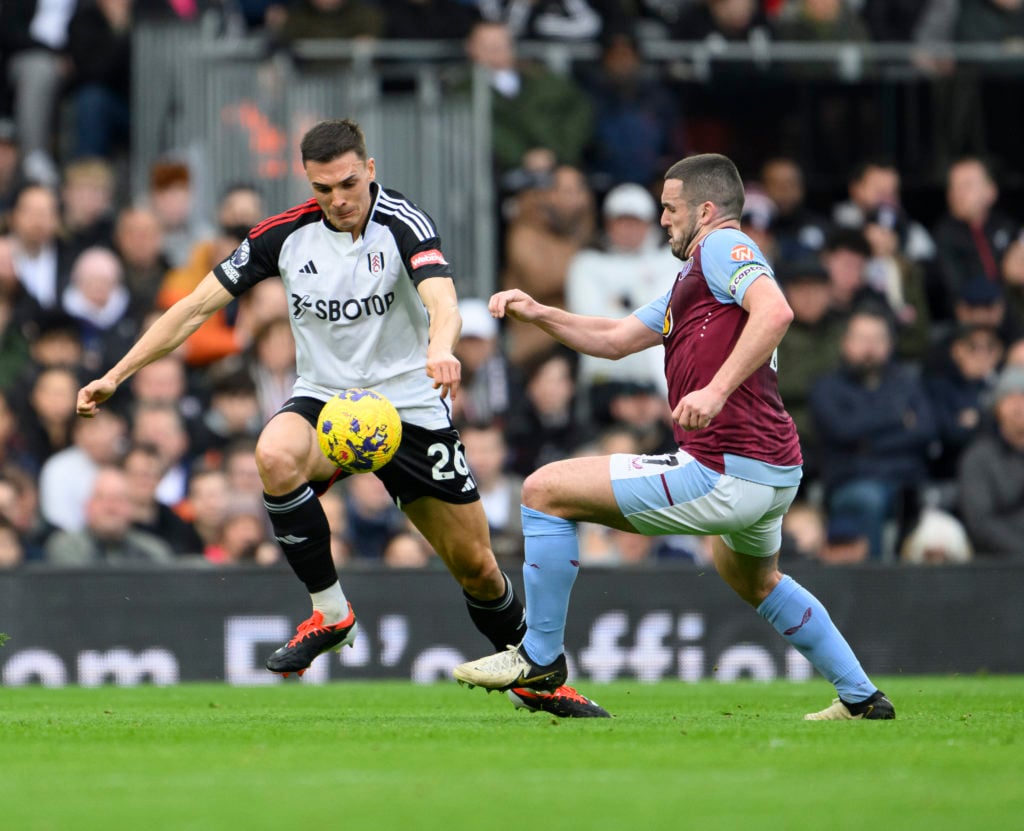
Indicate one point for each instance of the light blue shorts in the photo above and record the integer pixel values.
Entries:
(676, 494)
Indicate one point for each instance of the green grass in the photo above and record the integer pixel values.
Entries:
(352, 756)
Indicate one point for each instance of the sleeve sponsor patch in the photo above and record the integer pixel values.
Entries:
(241, 255)
(742, 274)
(431, 257)
(230, 271)
(742, 253)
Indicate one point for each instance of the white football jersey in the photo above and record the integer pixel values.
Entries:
(357, 318)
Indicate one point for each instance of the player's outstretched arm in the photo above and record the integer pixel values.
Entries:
(602, 337)
(168, 332)
(438, 295)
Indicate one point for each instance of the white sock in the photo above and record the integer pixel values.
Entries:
(331, 603)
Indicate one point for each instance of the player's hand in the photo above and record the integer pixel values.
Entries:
(696, 409)
(93, 394)
(446, 371)
(515, 304)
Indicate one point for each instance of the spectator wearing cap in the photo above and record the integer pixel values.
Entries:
(809, 350)
(846, 542)
(983, 302)
(959, 388)
(991, 475)
(876, 425)
(974, 235)
(486, 376)
(631, 265)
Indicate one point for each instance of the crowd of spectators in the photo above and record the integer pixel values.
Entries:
(903, 368)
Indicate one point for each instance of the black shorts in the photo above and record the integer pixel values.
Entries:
(427, 463)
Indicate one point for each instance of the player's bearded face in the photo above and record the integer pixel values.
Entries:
(678, 218)
(680, 241)
(341, 188)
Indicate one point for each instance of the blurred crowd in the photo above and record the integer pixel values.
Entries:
(903, 368)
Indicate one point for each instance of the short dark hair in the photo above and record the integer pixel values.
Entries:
(328, 140)
(848, 239)
(860, 170)
(239, 186)
(710, 177)
(875, 309)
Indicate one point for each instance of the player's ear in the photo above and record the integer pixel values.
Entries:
(371, 168)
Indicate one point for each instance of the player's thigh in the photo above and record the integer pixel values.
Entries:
(287, 451)
(457, 532)
(577, 489)
(763, 537)
(430, 481)
(674, 494)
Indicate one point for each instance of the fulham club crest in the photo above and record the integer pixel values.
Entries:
(375, 260)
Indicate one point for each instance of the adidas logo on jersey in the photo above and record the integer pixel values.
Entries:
(309, 268)
(470, 484)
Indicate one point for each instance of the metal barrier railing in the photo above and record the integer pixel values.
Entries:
(235, 114)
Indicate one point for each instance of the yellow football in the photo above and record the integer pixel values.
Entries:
(359, 430)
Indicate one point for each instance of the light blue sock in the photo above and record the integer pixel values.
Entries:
(800, 618)
(549, 571)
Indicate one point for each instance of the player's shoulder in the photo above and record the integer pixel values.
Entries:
(402, 216)
(729, 248)
(279, 226)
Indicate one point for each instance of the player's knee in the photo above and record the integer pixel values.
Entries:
(753, 587)
(482, 578)
(277, 466)
(539, 491)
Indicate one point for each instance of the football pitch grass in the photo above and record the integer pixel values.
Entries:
(392, 755)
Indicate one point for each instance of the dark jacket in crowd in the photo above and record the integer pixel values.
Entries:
(880, 432)
(991, 492)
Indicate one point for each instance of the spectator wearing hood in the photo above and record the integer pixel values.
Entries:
(991, 476)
